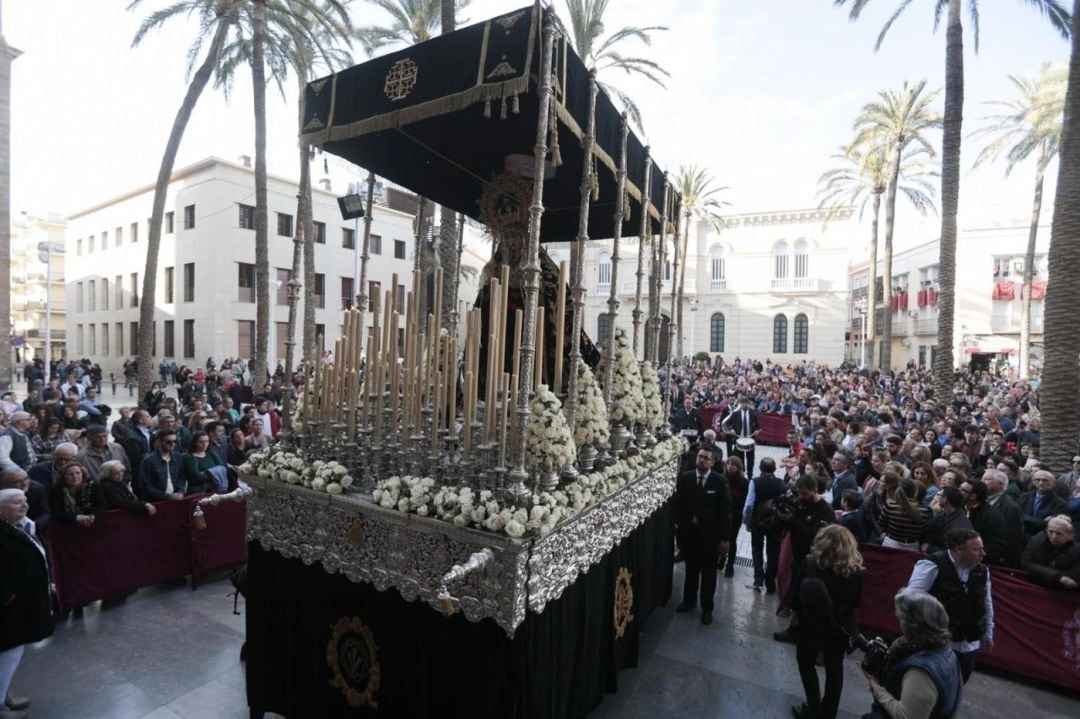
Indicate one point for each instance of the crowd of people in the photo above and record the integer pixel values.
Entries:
(872, 457)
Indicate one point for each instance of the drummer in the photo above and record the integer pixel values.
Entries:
(743, 426)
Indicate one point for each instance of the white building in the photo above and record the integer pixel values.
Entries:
(989, 276)
(37, 289)
(205, 304)
(769, 285)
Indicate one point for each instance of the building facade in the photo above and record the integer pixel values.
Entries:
(205, 304)
(989, 279)
(37, 288)
(767, 286)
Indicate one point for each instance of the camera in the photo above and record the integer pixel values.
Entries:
(785, 503)
(875, 651)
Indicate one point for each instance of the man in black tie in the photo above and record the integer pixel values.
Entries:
(702, 526)
(743, 424)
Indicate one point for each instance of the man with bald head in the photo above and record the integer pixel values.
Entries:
(51, 471)
(1041, 503)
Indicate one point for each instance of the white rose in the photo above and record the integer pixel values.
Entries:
(245, 468)
(514, 528)
(459, 520)
(477, 515)
(346, 481)
(521, 516)
(403, 505)
(318, 485)
(333, 488)
(422, 510)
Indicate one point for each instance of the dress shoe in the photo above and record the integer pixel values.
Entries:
(706, 618)
(16, 702)
(729, 572)
(770, 590)
(685, 607)
(787, 636)
(756, 587)
(801, 712)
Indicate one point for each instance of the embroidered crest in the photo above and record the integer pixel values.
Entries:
(1070, 637)
(401, 79)
(624, 602)
(354, 662)
(502, 70)
(314, 123)
(316, 87)
(508, 21)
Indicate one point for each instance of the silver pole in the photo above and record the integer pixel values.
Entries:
(361, 295)
(519, 475)
(658, 274)
(613, 296)
(642, 235)
(577, 255)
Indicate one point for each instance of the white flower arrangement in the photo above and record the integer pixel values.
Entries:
(292, 468)
(627, 402)
(590, 417)
(650, 392)
(548, 444)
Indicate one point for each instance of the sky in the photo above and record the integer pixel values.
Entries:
(761, 93)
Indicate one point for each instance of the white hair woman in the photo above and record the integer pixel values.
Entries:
(921, 678)
(1052, 557)
(118, 495)
(24, 590)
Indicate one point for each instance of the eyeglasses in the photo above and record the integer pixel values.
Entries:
(168, 441)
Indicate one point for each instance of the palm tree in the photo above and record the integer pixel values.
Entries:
(450, 241)
(1061, 372)
(1030, 123)
(950, 152)
(699, 203)
(602, 52)
(218, 16)
(897, 121)
(863, 177)
(411, 22)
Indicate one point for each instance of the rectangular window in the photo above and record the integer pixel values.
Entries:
(91, 336)
(320, 290)
(346, 292)
(79, 340)
(719, 280)
(90, 245)
(284, 224)
(374, 245)
(348, 238)
(245, 338)
(189, 282)
(119, 339)
(189, 217)
(118, 283)
(247, 220)
(281, 332)
(170, 339)
(104, 240)
(283, 277)
(320, 233)
(399, 249)
(133, 338)
(78, 247)
(104, 293)
(603, 272)
(245, 282)
(105, 339)
(170, 285)
(119, 232)
(399, 300)
(169, 219)
(134, 232)
(79, 297)
(189, 339)
(134, 291)
(91, 296)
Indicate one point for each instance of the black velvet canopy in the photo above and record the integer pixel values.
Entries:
(442, 117)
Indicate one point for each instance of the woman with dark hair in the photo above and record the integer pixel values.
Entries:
(75, 499)
(824, 596)
(901, 518)
(921, 678)
(48, 438)
(197, 466)
(70, 421)
(926, 481)
(235, 453)
(153, 398)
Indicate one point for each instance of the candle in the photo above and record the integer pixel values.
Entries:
(434, 421)
(518, 322)
(560, 328)
(437, 300)
(508, 382)
(394, 375)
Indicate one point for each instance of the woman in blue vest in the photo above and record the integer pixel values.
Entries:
(921, 679)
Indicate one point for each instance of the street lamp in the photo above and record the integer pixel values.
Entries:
(45, 252)
(861, 306)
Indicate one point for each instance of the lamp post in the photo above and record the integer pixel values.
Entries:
(861, 306)
(45, 252)
(693, 325)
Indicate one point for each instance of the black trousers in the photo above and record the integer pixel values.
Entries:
(747, 459)
(823, 707)
(769, 541)
(966, 660)
(700, 572)
(729, 559)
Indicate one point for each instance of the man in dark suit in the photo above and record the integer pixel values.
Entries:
(843, 478)
(702, 526)
(743, 423)
(997, 482)
(686, 418)
(137, 442)
(1041, 503)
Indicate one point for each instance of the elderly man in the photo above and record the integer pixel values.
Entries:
(36, 495)
(1040, 503)
(118, 495)
(997, 484)
(16, 451)
(1052, 558)
(51, 471)
(98, 451)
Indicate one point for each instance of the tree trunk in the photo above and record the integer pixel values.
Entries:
(682, 283)
(1061, 370)
(886, 270)
(262, 245)
(449, 252)
(1029, 265)
(871, 287)
(950, 199)
(294, 275)
(7, 55)
(420, 265)
(144, 355)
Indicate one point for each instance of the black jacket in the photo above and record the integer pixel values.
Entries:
(702, 514)
(990, 525)
(1047, 564)
(804, 525)
(25, 611)
(118, 495)
(1035, 522)
(1014, 528)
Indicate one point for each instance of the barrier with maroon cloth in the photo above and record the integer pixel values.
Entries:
(1036, 630)
(774, 427)
(123, 552)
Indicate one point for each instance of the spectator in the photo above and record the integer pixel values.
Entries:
(926, 481)
(1040, 503)
(117, 490)
(51, 472)
(99, 450)
(236, 452)
(200, 469)
(843, 478)
(950, 517)
(986, 520)
(901, 518)
(997, 483)
(16, 450)
(51, 435)
(853, 516)
(36, 496)
(269, 416)
(258, 440)
(137, 443)
(738, 485)
(75, 499)
(802, 521)
(73, 425)
(1052, 557)
(758, 515)
(159, 473)
(122, 425)
(218, 441)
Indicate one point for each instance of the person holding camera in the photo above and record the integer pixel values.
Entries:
(802, 520)
(919, 676)
(824, 596)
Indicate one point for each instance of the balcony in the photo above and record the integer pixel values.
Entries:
(1011, 325)
(900, 327)
(927, 326)
(794, 284)
(718, 284)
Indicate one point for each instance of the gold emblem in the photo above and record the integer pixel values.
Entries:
(354, 662)
(401, 79)
(624, 601)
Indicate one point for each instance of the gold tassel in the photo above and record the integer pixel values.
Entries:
(502, 112)
(516, 106)
(556, 156)
(199, 519)
(487, 108)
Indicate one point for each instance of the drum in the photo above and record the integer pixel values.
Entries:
(744, 444)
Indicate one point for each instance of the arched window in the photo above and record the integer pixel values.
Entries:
(802, 259)
(779, 334)
(802, 335)
(603, 329)
(781, 269)
(603, 269)
(717, 270)
(716, 332)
